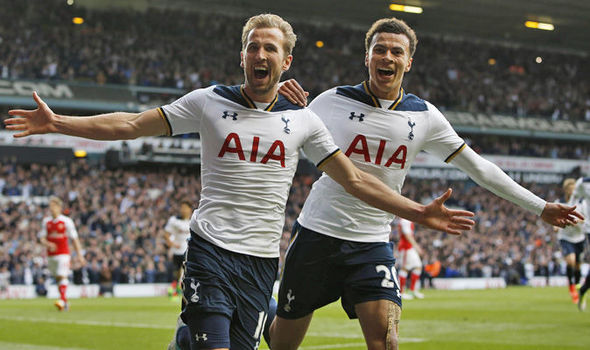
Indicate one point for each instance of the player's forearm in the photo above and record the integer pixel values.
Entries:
(78, 247)
(492, 178)
(372, 191)
(111, 126)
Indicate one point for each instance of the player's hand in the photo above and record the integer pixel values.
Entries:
(293, 92)
(560, 215)
(419, 250)
(51, 246)
(29, 122)
(82, 261)
(439, 217)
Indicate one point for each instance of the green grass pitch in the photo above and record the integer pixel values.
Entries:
(512, 318)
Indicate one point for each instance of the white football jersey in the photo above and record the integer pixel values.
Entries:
(575, 233)
(179, 231)
(582, 192)
(248, 159)
(380, 141)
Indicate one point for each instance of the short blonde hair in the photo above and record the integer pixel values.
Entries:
(568, 182)
(56, 200)
(268, 20)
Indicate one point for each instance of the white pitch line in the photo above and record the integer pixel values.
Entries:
(332, 346)
(172, 326)
(20, 346)
(88, 323)
(357, 336)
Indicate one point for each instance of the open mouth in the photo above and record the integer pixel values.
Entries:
(385, 72)
(260, 72)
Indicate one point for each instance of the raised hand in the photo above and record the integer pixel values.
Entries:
(30, 122)
(293, 92)
(441, 218)
(560, 215)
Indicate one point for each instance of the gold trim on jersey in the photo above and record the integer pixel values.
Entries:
(454, 154)
(325, 160)
(371, 95)
(376, 99)
(251, 103)
(247, 98)
(398, 100)
(272, 104)
(163, 116)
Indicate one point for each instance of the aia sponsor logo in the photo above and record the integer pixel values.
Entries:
(233, 145)
(359, 146)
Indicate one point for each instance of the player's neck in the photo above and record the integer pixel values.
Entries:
(387, 94)
(266, 97)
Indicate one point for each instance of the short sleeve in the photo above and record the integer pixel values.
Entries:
(406, 227)
(442, 140)
(170, 225)
(322, 107)
(184, 115)
(43, 232)
(319, 145)
(71, 228)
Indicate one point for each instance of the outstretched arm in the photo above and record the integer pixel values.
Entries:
(492, 178)
(111, 126)
(374, 192)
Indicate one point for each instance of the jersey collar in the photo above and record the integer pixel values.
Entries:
(251, 103)
(376, 99)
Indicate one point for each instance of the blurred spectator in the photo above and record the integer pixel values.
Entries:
(188, 50)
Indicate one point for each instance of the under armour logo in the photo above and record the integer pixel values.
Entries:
(353, 115)
(286, 128)
(201, 337)
(195, 297)
(290, 298)
(233, 115)
(411, 134)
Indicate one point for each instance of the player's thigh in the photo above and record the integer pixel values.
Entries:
(209, 331)
(372, 277)
(413, 260)
(254, 283)
(578, 251)
(309, 279)
(226, 296)
(59, 265)
(379, 322)
(288, 334)
(568, 250)
(207, 298)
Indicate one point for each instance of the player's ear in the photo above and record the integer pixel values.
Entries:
(242, 59)
(409, 66)
(287, 63)
(367, 59)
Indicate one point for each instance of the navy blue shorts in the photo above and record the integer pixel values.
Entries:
(568, 248)
(319, 269)
(226, 296)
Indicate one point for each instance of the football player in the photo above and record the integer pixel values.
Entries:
(340, 246)
(251, 138)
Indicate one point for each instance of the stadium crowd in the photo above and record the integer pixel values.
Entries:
(187, 50)
(120, 215)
